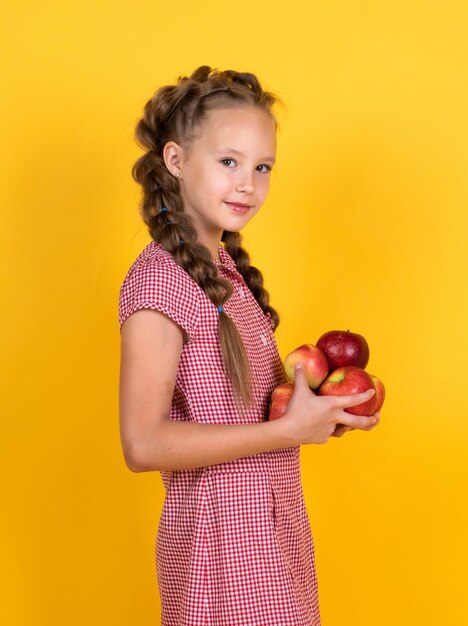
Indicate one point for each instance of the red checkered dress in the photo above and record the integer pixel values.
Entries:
(234, 546)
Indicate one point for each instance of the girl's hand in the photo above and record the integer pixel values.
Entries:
(313, 419)
(341, 429)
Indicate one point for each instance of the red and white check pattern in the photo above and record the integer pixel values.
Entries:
(234, 545)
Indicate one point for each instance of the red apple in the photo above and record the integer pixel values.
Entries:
(279, 400)
(380, 391)
(343, 348)
(349, 381)
(314, 361)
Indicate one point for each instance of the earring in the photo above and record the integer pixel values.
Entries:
(178, 174)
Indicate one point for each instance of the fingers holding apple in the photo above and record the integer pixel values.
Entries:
(376, 417)
(335, 366)
(283, 393)
(351, 381)
(340, 430)
(309, 418)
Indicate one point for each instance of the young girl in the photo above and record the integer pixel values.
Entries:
(199, 362)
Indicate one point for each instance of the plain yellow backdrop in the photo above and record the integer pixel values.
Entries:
(365, 229)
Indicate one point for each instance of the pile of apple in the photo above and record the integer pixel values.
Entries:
(334, 366)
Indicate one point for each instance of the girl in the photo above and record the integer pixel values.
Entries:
(199, 362)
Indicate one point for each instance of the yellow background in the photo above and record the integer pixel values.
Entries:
(365, 229)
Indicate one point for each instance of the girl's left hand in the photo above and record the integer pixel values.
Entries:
(341, 429)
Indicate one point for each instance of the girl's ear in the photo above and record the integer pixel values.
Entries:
(173, 155)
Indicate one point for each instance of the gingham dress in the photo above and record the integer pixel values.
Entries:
(234, 545)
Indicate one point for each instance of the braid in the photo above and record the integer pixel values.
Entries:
(172, 114)
(252, 275)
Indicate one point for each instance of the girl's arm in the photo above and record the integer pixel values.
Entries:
(151, 345)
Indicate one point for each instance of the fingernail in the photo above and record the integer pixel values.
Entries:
(299, 365)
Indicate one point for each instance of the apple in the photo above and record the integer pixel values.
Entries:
(380, 391)
(279, 400)
(350, 380)
(343, 348)
(314, 361)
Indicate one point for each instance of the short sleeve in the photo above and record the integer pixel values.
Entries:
(163, 286)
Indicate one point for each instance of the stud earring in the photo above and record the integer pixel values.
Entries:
(178, 174)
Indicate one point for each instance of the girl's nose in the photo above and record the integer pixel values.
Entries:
(245, 184)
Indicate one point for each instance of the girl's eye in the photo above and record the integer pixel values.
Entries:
(264, 168)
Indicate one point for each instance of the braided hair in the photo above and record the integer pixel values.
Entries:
(174, 113)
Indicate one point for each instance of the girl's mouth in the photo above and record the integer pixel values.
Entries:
(238, 208)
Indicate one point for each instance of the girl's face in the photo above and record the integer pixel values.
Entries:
(225, 172)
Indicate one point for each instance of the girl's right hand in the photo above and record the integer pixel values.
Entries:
(313, 419)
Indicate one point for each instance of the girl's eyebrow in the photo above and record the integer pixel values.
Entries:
(234, 151)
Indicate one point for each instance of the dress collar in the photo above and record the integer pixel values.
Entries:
(225, 258)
